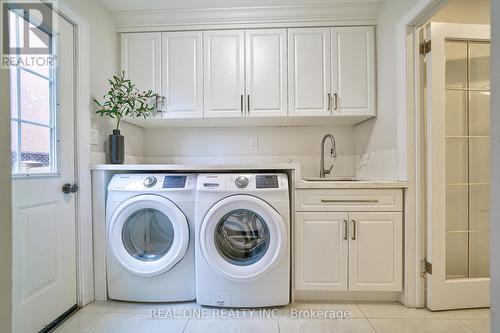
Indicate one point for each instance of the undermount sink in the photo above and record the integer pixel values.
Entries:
(331, 179)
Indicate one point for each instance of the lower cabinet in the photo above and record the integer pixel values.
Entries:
(348, 251)
(321, 251)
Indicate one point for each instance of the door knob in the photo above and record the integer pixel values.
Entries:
(69, 188)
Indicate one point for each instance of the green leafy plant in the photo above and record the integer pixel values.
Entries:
(124, 100)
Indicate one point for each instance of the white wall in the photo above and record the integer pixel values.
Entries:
(103, 64)
(5, 206)
(376, 139)
(232, 145)
(464, 11)
(495, 175)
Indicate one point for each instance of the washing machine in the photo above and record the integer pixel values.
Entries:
(150, 237)
(242, 230)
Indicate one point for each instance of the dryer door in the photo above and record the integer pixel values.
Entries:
(243, 237)
(148, 235)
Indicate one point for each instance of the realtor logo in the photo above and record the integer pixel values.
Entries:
(27, 32)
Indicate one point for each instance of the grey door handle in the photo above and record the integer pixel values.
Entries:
(353, 229)
(345, 229)
(69, 188)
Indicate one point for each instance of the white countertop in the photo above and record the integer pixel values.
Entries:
(196, 167)
(325, 184)
(299, 183)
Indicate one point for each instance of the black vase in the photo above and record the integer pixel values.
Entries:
(116, 147)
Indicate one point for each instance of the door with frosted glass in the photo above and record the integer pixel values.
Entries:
(458, 166)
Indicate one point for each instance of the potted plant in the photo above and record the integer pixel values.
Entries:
(124, 100)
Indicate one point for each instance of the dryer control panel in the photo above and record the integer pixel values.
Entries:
(242, 182)
(152, 182)
(267, 181)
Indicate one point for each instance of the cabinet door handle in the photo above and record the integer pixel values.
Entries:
(345, 229)
(349, 200)
(248, 103)
(241, 103)
(335, 101)
(353, 229)
(329, 101)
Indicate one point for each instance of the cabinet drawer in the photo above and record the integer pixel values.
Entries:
(353, 200)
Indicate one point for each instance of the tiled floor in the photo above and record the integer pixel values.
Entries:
(121, 317)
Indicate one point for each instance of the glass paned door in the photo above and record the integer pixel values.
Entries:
(467, 115)
(457, 165)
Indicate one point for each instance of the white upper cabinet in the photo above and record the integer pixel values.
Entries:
(141, 59)
(353, 71)
(224, 82)
(309, 57)
(307, 72)
(182, 75)
(266, 72)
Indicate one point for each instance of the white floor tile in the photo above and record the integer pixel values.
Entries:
(138, 323)
(478, 325)
(81, 322)
(99, 322)
(397, 310)
(471, 314)
(249, 325)
(385, 317)
(98, 307)
(419, 326)
(325, 326)
(146, 308)
(295, 308)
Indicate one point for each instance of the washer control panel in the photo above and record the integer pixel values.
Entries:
(152, 182)
(241, 181)
(174, 181)
(149, 181)
(266, 181)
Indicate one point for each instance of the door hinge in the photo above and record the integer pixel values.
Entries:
(425, 47)
(425, 268)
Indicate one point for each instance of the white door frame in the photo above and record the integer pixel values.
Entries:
(411, 134)
(84, 254)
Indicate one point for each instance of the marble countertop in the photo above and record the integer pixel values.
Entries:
(325, 184)
(299, 182)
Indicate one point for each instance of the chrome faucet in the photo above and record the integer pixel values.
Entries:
(333, 154)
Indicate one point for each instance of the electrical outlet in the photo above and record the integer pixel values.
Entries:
(253, 144)
(94, 136)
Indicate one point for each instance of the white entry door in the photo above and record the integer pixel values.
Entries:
(458, 77)
(43, 160)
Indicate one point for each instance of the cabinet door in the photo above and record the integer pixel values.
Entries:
(353, 71)
(375, 251)
(321, 251)
(266, 72)
(224, 61)
(309, 71)
(141, 60)
(182, 79)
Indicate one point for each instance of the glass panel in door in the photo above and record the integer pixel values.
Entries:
(467, 158)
